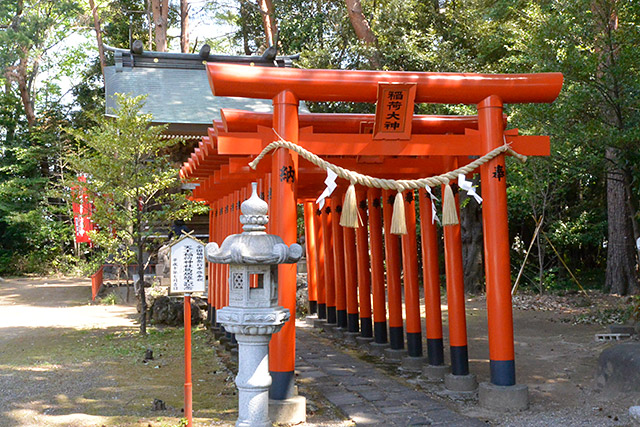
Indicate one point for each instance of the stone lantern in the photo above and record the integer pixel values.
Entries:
(253, 314)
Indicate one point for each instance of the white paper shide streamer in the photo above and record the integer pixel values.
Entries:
(434, 211)
(468, 187)
(330, 181)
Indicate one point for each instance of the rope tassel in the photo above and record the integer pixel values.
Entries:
(349, 216)
(398, 220)
(449, 211)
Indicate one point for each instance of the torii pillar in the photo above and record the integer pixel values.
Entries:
(285, 405)
(497, 265)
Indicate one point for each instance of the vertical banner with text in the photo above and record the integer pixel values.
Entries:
(81, 211)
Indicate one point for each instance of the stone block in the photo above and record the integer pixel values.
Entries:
(622, 329)
(377, 349)
(435, 373)
(319, 323)
(364, 342)
(310, 320)
(619, 368)
(288, 411)
(504, 398)
(394, 355)
(350, 337)
(413, 364)
(460, 382)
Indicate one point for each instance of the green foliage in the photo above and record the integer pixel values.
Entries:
(130, 179)
(110, 299)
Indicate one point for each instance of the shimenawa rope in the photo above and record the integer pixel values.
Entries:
(349, 216)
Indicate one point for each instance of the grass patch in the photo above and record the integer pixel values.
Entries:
(113, 382)
(110, 299)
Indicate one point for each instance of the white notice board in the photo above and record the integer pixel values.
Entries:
(187, 266)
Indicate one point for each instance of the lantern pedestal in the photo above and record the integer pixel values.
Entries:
(253, 328)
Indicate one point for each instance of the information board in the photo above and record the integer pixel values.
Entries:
(187, 266)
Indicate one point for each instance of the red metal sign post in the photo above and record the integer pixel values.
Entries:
(188, 400)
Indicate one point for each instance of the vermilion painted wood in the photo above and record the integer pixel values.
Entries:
(377, 256)
(248, 121)
(392, 255)
(350, 269)
(430, 268)
(285, 122)
(338, 253)
(312, 248)
(319, 256)
(455, 283)
(243, 144)
(327, 219)
(362, 243)
(410, 267)
(362, 85)
(496, 238)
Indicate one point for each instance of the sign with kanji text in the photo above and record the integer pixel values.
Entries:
(394, 110)
(187, 265)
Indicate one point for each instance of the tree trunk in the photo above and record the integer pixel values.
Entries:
(268, 21)
(184, 26)
(160, 9)
(244, 18)
(621, 275)
(472, 244)
(25, 94)
(96, 23)
(362, 29)
(142, 293)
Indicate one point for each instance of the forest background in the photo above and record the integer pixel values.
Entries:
(585, 195)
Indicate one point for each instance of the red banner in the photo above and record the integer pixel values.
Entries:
(81, 212)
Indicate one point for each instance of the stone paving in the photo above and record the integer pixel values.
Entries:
(363, 392)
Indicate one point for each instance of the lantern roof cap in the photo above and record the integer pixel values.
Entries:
(254, 245)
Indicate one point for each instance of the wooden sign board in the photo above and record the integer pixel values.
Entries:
(394, 110)
(187, 266)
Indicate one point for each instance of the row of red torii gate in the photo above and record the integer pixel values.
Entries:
(360, 279)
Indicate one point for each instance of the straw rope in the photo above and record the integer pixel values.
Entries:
(387, 184)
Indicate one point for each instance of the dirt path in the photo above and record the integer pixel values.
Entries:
(34, 314)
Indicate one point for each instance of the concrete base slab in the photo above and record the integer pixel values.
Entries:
(350, 337)
(504, 398)
(413, 364)
(460, 382)
(377, 349)
(288, 411)
(310, 319)
(394, 355)
(435, 373)
(319, 323)
(364, 342)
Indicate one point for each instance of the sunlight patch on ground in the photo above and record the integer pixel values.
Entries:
(32, 418)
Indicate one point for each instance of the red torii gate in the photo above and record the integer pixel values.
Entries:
(287, 86)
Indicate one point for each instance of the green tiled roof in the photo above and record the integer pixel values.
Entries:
(174, 95)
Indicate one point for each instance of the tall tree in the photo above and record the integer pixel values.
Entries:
(268, 21)
(363, 29)
(129, 180)
(160, 10)
(184, 26)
